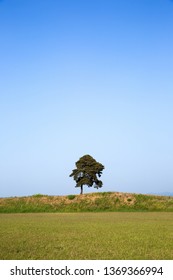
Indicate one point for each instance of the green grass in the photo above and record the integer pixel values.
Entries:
(145, 235)
(93, 202)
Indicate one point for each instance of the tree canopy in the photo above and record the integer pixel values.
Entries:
(86, 172)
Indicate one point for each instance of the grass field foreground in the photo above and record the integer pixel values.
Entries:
(49, 236)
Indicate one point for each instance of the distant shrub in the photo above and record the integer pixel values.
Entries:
(105, 193)
(38, 195)
(116, 200)
(71, 196)
(129, 199)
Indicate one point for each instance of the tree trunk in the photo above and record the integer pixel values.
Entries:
(81, 192)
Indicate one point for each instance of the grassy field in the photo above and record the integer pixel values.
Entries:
(87, 236)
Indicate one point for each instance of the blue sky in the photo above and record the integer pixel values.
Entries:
(86, 77)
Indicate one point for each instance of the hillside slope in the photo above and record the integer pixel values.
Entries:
(94, 202)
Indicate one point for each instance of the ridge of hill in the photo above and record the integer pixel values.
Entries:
(163, 193)
(92, 202)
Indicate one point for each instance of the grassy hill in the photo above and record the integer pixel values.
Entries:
(93, 202)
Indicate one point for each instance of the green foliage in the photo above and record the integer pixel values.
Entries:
(71, 196)
(86, 172)
(38, 195)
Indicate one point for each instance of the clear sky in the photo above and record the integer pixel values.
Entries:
(86, 77)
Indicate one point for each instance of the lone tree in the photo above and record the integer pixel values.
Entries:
(87, 169)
